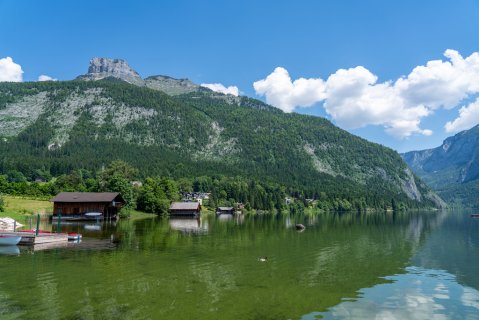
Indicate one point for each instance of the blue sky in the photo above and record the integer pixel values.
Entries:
(239, 43)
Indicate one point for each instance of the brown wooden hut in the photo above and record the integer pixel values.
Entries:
(79, 203)
(225, 210)
(185, 209)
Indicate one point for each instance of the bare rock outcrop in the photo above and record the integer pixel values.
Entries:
(101, 68)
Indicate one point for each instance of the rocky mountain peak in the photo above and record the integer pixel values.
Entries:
(171, 85)
(101, 68)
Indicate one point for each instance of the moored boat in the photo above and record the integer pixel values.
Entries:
(8, 240)
(74, 236)
(475, 215)
(34, 231)
(94, 214)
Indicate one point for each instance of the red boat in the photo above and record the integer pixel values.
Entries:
(74, 236)
(34, 231)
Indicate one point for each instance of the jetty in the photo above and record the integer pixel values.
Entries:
(32, 238)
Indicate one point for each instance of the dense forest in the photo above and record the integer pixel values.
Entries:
(155, 194)
(242, 149)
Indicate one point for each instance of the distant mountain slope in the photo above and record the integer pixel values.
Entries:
(452, 169)
(62, 126)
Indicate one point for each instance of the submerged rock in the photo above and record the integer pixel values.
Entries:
(299, 226)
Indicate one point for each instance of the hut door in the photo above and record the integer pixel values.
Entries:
(76, 210)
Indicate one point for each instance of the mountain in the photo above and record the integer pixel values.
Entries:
(192, 131)
(102, 68)
(452, 169)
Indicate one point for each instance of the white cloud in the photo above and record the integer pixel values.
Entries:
(468, 118)
(10, 71)
(218, 87)
(354, 98)
(44, 77)
(281, 92)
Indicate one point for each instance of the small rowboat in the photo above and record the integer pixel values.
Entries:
(74, 236)
(6, 240)
(93, 214)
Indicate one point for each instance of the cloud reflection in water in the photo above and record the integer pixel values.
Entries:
(418, 294)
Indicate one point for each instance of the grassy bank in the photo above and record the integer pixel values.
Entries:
(20, 208)
(135, 214)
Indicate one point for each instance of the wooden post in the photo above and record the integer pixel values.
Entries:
(38, 224)
(59, 217)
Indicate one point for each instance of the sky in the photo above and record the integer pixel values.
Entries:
(403, 73)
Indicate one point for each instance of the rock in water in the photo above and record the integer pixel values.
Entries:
(101, 68)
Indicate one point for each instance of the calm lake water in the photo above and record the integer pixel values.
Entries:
(388, 266)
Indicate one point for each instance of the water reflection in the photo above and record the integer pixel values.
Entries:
(92, 227)
(418, 294)
(225, 217)
(187, 225)
(9, 250)
(342, 265)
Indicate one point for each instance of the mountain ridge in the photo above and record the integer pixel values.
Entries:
(104, 68)
(451, 167)
(63, 126)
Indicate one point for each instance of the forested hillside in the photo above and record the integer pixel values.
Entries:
(54, 128)
(452, 169)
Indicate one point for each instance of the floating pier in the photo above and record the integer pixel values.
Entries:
(31, 238)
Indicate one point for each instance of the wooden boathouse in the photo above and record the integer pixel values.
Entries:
(79, 203)
(225, 210)
(185, 209)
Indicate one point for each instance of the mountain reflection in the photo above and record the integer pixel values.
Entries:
(210, 268)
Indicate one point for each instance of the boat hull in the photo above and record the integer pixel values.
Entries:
(74, 236)
(78, 218)
(9, 240)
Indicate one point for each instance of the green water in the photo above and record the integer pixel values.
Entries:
(404, 266)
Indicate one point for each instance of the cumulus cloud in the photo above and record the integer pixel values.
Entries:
(468, 118)
(218, 87)
(10, 71)
(285, 94)
(354, 98)
(44, 77)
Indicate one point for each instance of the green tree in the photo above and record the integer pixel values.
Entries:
(116, 178)
(156, 195)
(2, 203)
(16, 176)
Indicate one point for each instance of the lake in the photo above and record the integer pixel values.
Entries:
(342, 266)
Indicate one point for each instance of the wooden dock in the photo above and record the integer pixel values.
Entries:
(30, 238)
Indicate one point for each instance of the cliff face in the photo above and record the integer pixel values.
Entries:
(101, 68)
(170, 85)
(452, 168)
(455, 161)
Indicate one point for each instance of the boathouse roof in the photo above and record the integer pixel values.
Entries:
(87, 197)
(185, 206)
